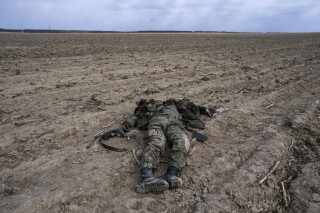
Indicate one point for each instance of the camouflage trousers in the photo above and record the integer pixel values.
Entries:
(165, 130)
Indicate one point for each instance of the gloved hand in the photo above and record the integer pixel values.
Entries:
(208, 113)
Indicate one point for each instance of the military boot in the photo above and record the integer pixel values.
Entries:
(172, 177)
(150, 183)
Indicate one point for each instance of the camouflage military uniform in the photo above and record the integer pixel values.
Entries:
(165, 123)
(164, 128)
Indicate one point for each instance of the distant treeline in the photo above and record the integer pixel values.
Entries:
(99, 31)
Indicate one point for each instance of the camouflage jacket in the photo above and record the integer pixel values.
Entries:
(183, 109)
(145, 110)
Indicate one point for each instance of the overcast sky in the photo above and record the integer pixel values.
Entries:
(132, 15)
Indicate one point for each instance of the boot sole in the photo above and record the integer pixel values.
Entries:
(155, 187)
(174, 183)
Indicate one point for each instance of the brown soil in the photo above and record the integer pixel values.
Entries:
(58, 90)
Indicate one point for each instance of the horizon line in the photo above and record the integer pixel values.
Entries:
(28, 30)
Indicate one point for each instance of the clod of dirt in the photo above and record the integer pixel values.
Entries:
(68, 84)
(6, 189)
(124, 77)
(151, 91)
(205, 78)
(93, 104)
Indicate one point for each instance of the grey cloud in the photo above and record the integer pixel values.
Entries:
(230, 15)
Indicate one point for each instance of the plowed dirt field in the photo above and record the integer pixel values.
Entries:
(57, 91)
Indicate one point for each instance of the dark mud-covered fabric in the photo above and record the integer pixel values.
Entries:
(190, 113)
(169, 110)
(145, 110)
(165, 130)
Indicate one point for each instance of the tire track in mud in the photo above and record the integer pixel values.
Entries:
(303, 160)
(224, 180)
(290, 96)
(310, 83)
(224, 195)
